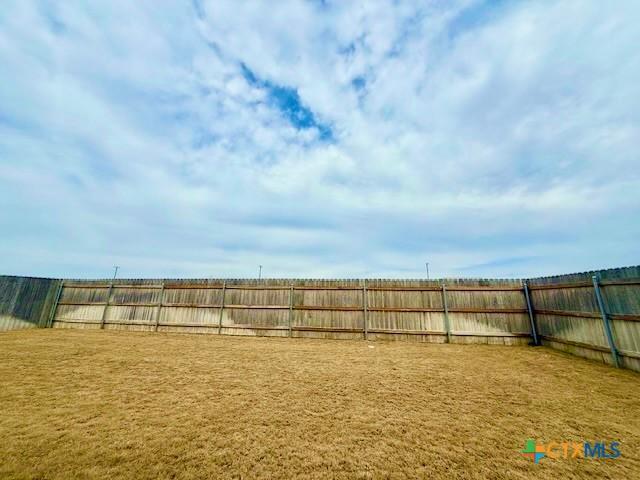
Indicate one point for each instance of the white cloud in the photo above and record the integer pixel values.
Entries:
(489, 139)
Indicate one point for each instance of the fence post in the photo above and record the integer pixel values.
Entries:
(224, 291)
(605, 320)
(159, 307)
(290, 309)
(446, 313)
(106, 305)
(530, 311)
(365, 327)
(54, 307)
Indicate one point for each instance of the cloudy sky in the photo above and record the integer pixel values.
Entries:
(319, 139)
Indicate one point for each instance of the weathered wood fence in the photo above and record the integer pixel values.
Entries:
(26, 302)
(592, 314)
(460, 311)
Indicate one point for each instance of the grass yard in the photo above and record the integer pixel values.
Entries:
(100, 404)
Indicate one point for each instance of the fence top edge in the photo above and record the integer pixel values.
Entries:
(564, 277)
(620, 272)
(319, 281)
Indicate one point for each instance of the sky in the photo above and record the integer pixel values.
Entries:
(319, 139)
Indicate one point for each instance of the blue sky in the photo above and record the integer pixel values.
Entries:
(319, 139)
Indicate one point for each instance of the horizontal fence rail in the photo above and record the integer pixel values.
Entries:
(353, 308)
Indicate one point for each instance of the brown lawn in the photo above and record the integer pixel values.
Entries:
(97, 404)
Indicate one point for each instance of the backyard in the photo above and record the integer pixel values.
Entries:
(107, 404)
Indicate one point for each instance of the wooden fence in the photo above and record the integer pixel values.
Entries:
(592, 314)
(26, 302)
(458, 311)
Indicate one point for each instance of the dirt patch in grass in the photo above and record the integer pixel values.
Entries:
(83, 404)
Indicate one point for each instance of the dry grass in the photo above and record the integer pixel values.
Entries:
(86, 404)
